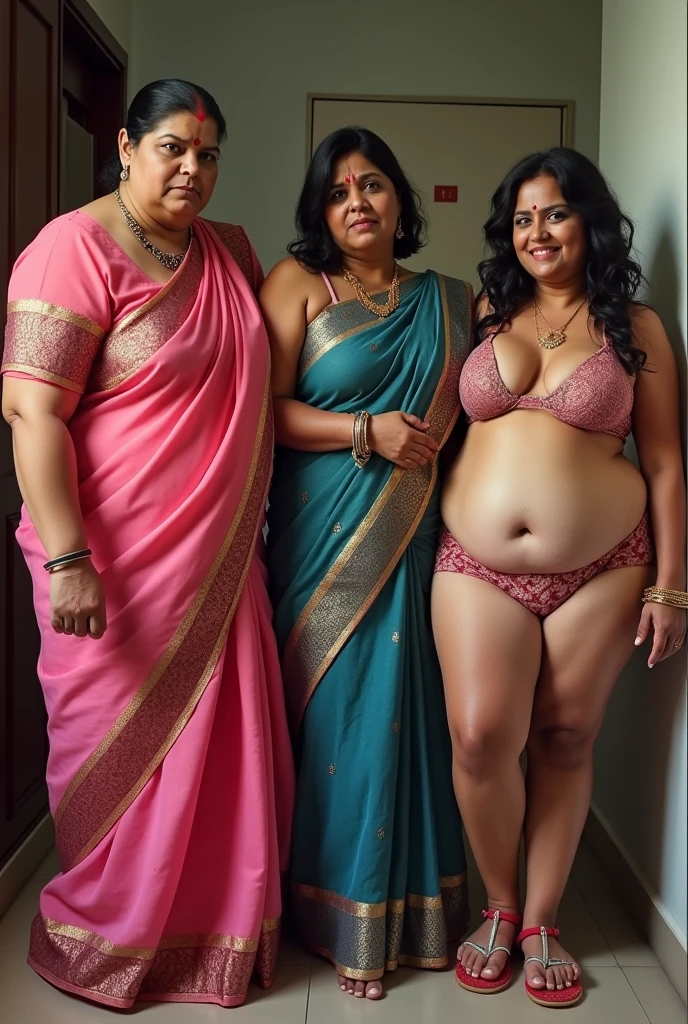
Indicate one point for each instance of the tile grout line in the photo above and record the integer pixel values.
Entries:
(308, 993)
(637, 997)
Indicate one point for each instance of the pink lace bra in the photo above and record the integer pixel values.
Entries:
(598, 395)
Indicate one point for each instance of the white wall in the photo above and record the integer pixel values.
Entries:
(260, 58)
(640, 791)
(117, 16)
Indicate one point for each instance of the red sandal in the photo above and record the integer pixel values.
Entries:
(544, 996)
(485, 986)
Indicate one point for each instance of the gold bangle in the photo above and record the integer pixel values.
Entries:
(662, 595)
(359, 439)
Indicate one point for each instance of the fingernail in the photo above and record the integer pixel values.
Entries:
(637, 641)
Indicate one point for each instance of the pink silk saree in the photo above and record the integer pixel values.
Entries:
(169, 774)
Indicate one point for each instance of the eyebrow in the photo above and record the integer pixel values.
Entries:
(543, 209)
(359, 177)
(169, 135)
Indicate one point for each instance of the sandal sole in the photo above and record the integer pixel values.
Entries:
(554, 1004)
(488, 988)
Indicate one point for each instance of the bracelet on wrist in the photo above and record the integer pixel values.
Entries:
(360, 449)
(663, 595)
(63, 560)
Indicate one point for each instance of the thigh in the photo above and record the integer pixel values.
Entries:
(586, 643)
(489, 648)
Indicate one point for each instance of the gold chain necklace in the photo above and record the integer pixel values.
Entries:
(554, 338)
(169, 260)
(366, 299)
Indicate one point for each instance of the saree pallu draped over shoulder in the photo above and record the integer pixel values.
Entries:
(378, 866)
(167, 736)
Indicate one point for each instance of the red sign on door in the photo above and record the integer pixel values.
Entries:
(446, 193)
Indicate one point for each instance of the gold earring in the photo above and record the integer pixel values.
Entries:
(124, 173)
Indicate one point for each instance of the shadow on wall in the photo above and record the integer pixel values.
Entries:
(644, 725)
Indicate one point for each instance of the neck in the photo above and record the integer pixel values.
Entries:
(159, 234)
(559, 295)
(374, 273)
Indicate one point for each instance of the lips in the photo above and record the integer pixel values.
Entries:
(544, 252)
(364, 223)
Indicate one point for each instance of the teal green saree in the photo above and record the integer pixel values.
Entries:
(378, 867)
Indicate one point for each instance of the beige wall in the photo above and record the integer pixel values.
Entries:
(261, 58)
(640, 792)
(117, 16)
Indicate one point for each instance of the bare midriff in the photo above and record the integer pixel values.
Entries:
(529, 493)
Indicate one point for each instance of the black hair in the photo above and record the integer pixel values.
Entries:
(152, 105)
(314, 246)
(612, 276)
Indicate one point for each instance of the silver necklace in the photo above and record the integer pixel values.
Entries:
(169, 260)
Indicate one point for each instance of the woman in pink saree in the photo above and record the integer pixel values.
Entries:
(137, 387)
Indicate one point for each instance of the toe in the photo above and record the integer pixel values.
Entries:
(359, 991)
(350, 986)
(373, 990)
(535, 977)
(549, 979)
(341, 981)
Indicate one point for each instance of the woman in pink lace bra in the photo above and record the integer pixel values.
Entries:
(545, 558)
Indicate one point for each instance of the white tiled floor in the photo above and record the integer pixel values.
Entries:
(624, 983)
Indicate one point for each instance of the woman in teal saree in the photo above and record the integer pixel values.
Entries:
(378, 867)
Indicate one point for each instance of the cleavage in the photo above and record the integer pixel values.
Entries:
(525, 374)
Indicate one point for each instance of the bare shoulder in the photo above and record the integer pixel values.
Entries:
(289, 273)
(648, 332)
(103, 211)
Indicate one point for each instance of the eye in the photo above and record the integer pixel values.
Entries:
(557, 215)
(171, 147)
(374, 185)
(337, 195)
(521, 222)
(210, 158)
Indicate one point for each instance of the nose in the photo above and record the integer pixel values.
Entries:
(539, 230)
(190, 163)
(357, 198)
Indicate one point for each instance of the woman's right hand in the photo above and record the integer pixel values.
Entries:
(77, 601)
(401, 438)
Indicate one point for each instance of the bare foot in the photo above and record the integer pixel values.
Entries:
(554, 977)
(360, 989)
(477, 964)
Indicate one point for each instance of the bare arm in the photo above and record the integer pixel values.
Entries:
(396, 436)
(284, 300)
(656, 432)
(46, 470)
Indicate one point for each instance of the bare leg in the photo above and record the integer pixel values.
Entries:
(587, 641)
(489, 648)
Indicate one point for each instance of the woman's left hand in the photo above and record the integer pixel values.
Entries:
(669, 626)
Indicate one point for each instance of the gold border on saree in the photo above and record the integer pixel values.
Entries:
(263, 436)
(375, 518)
(56, 313)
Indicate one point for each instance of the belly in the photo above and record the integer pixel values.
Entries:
(528, 493)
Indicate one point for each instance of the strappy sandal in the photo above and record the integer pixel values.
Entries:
(544, 996)
(484, 986)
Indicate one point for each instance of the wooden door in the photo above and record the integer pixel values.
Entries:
(57, 60)
(29, 121)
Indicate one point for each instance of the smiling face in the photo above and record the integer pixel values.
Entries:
(173, 169)
(362, 208)
(549, 238)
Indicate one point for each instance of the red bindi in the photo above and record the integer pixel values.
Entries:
(196, 142)
(349, 178)
(535, 207)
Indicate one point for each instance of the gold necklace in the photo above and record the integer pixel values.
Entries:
(366, 299)
(554, 338)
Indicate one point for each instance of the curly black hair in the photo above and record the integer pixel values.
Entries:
(314, 247)
(612, 276)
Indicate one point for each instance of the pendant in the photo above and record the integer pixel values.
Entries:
(552, 340)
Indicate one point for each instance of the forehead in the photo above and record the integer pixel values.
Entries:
(185, 124)
(353, 163)
(541, 191)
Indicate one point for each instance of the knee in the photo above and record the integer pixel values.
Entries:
(565, 746)
(480, 748)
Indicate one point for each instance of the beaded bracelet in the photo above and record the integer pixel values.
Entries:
(360, 451)
(73, 556)
(661, 595)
